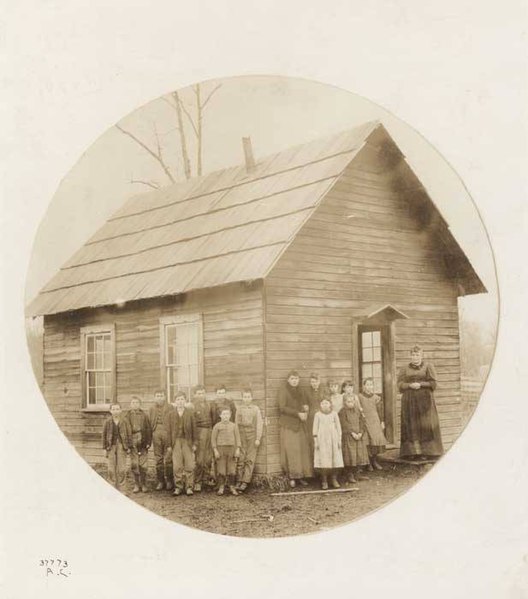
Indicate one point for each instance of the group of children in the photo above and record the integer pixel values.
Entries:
(347, 430)
(207, 443)
(196, 443)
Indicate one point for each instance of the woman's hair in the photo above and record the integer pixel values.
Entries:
(416, 348)
(292, 373)
(345, 384)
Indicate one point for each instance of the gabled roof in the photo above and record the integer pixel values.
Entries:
(385, 312)
(228, 226)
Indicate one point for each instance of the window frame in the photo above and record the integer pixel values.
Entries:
(85, 332)
(177, 319)
(371, 329)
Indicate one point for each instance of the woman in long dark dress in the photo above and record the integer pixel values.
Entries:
(420, 428)
(295, 450)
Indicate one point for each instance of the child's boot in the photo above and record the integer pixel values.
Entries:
(232, 489)
(159, 486)
(221, 489)
(376, 464)
(136, 484)
(360, 475)
(350, 476)
(143, 480)
(335, 482)
(324, 482)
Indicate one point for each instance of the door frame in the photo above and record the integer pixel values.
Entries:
(383, 319)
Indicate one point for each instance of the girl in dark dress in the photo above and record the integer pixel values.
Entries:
(420, 429)
(295, 449)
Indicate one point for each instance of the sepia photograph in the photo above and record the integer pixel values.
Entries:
(261, 306)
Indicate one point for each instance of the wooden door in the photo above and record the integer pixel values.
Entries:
(375, 361)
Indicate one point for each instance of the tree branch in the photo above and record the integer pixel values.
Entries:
(211, 94)
(171, 104)
(199, 130)
(152, 184)
(187, 114)
(157, 157)
(158, 147)
(138, 141)
(183, 140)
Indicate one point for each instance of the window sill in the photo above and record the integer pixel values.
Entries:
(101, 408)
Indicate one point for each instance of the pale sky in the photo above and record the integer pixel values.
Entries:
(276, 113)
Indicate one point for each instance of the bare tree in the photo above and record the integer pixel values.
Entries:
(157, 154)
(183, 140)
(196, 123)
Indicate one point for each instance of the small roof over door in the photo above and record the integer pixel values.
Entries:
(378, 314)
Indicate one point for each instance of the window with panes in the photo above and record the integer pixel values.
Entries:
(371, 360)
(98, 366)
(182, 353)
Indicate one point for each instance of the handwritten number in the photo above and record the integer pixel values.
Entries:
(55, 567)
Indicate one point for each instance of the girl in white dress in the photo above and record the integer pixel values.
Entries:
(336, 398)
(328, 457)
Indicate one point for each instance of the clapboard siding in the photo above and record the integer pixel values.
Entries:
(233, 355)
(362, 246)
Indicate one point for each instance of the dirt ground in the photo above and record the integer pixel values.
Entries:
(292, 514)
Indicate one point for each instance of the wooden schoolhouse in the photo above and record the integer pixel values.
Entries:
(328, 257)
